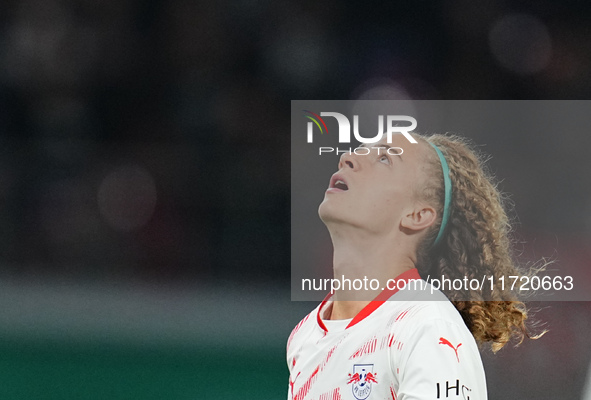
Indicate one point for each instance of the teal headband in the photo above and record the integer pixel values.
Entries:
(447, 202)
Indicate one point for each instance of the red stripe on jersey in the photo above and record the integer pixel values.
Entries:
(391, 341)
(367, 348)
(401, 315)
(384, 341)
(332, 395)
(296, 329)
(318, 319)
(303, 391)
(393, 393)
(388, 341)
(398, 317)
(373, 305)
(306, 387)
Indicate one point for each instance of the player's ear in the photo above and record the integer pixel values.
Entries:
(419, 218)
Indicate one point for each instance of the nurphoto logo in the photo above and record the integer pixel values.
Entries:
(391, 127)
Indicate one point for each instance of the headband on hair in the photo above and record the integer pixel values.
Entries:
(447, 201)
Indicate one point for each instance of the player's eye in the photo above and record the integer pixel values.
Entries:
(384, 159)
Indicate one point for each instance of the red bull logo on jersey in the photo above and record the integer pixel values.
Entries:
(361, 379)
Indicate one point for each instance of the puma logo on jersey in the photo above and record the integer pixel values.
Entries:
(443, 340)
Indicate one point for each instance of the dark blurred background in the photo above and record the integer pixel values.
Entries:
(144, 178)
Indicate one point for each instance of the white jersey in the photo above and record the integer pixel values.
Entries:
(399, 349)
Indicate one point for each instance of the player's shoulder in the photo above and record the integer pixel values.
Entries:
(428, 312)
(441, 316)
(415, 315)
(435, 323)
(426, 304)
(441, 309)
(303, 327)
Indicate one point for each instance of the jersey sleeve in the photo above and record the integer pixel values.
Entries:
(439, 360)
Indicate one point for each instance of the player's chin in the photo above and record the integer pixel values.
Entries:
(326, 211)
(322, 209)
(330, 212)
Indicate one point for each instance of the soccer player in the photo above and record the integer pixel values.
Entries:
(429, 212)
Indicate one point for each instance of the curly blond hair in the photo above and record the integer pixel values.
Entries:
(476, 243)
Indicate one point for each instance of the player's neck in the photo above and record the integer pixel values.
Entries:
(369, 261)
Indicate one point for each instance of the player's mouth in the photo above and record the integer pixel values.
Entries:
(337, 184)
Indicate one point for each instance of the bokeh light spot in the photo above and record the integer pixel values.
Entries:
(520, 43)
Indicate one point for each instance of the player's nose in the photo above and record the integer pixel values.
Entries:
(349, 160)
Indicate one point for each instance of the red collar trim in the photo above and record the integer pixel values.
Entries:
(406, 276)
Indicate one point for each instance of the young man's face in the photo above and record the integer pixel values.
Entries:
(374, 191)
